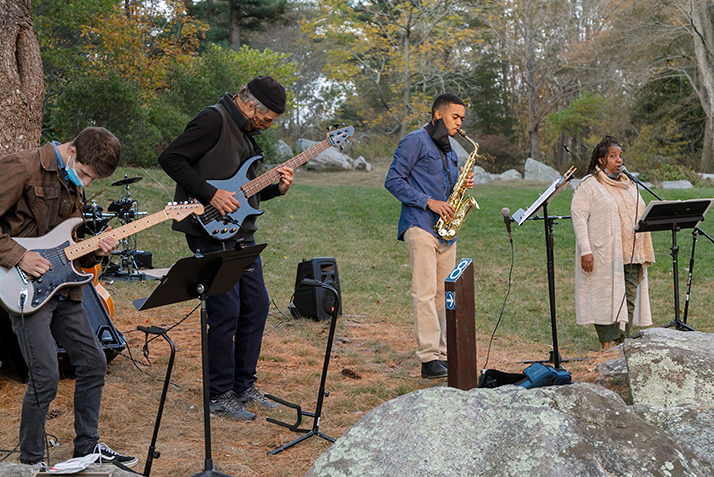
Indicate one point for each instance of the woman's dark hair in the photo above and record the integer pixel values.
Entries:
(601, 151)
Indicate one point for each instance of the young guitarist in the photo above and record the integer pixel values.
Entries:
(42, 188)
(214, 145)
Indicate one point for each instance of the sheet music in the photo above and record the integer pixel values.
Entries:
(547, 196)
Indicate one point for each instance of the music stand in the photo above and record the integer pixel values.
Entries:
(674, 215)
(520, 217)
(202, 276)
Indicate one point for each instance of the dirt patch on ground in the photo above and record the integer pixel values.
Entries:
(371, 362)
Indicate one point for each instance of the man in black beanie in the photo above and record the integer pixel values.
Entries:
(214, 145)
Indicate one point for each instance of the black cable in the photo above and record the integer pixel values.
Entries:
(9, 452)
(503, 307)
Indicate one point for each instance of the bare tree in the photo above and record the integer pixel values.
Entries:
(668, 38)
(547, 58)
(22, 86)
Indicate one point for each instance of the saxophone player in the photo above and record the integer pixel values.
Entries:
(421, 176)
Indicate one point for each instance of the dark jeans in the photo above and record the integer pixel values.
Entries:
(240, 314)
(67, 321)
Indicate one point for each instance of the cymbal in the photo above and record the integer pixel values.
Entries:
(129, 180)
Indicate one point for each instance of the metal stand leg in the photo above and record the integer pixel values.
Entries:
(153, 453)
(321, 394)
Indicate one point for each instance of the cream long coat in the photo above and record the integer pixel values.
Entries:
(599, 294)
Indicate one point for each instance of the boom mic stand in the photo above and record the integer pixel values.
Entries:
(153, 453)
(696, 231)
(321, 393)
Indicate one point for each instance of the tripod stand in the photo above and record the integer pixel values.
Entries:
(199, 277)
(321, 393)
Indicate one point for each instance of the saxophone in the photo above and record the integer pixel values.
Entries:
(458, 199)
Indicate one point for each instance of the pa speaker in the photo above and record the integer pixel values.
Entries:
(312, 301)
(13, 365)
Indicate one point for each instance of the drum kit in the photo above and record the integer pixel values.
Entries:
(125, 210)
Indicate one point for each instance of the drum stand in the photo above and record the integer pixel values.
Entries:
(127, 210)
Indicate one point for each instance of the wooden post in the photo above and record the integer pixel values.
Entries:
(461, 326)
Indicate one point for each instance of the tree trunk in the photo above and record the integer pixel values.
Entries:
(407, 85)
(532, 89)
(707, 158)
(233, 27)
(22, 87)
(702, 24)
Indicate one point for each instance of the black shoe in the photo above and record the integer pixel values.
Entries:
(433, 370)
(228, 405)
(444, 363)
(253, 396)
(109, 455)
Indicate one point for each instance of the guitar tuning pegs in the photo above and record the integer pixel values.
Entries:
(336, 126)
(343, 124)
(328, 128)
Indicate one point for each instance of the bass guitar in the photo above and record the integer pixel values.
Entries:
(224, 227)
(22, 292)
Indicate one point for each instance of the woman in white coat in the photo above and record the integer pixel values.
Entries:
(611, 260)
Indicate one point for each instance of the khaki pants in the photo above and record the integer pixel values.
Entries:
(431, 262)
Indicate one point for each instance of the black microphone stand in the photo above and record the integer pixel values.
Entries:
(696, 231)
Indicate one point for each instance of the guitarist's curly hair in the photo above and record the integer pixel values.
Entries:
(99, 149)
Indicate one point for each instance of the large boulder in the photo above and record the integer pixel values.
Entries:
(580, 430)
(283, 151)
(331, 159)
(677, 185)
(537, 171)
(670, 368)
(510, 174)
(461, 153)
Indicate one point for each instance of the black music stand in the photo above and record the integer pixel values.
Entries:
(674, 215)
(202, 276)
(520, 217)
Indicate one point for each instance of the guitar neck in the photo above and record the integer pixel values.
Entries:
(264, 180)
(91, 244)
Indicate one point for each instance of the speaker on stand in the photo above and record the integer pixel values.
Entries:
(316, 302)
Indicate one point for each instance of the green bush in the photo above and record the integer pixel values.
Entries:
(664, 171)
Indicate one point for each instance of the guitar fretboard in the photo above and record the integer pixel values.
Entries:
(264, 180)
(91, 244)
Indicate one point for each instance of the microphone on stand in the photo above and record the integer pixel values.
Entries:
(623, 170)
(506, 213)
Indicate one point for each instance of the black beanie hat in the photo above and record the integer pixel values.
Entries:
(269, 92)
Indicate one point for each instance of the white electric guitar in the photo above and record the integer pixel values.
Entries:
(22, 292)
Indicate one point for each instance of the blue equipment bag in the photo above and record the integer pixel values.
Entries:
(538, 375)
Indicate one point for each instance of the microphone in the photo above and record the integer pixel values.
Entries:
(506, 213)
(623, 170)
